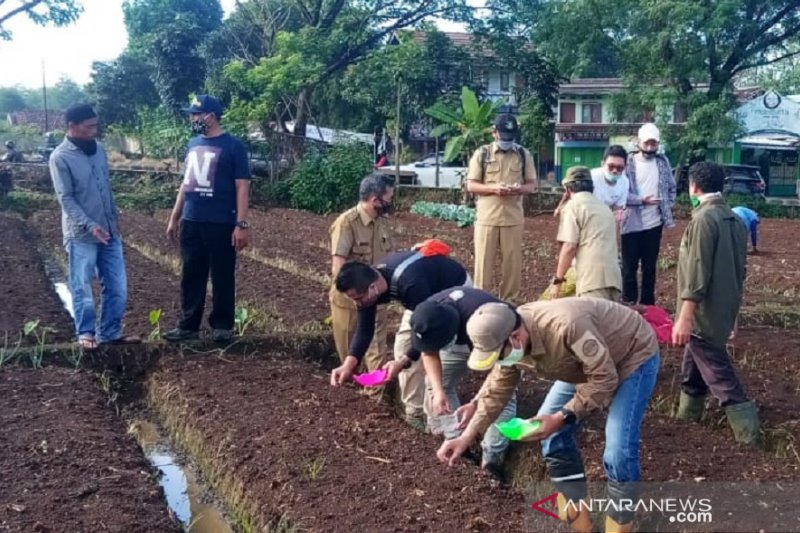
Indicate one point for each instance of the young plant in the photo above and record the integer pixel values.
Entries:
(314, 468)
(155, 322)
(33, 329)
(9, 353)
(242, 320)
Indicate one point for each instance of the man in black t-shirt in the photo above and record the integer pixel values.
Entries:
(211, 215)
(409, 277)
(439, 334)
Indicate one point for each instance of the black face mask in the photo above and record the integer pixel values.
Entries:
(385, 208)
(87, 146)
(649, 154)
(199, 126)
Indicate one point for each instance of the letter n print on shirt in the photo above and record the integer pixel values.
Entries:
(201, 170)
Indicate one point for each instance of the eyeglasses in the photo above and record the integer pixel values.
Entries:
(615, 168)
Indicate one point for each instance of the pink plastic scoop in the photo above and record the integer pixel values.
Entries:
(372, 379)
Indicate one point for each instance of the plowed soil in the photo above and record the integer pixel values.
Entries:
(67, 463)
(25, 291)
(330, 459)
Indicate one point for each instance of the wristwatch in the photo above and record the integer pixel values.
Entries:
(557, 281)
(242, 224)
(569, 416)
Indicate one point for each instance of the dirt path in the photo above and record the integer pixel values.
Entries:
(67, 464)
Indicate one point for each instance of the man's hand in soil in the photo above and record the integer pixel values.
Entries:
(452, 449)
(394, 368)
(344, 373)
(681, 331)
(172, 230)
(549, 425)
(465, 414)
(239, 239)
(100, 234)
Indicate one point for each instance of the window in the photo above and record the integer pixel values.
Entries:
(592, 113)
(504, 81)
(567, 113)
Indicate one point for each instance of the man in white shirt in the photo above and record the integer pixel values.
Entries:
(648, 211)
(610, 181)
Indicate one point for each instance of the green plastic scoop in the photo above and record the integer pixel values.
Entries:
(517, 428)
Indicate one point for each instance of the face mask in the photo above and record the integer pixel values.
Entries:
(513, 357)
(505, 145)
(649, 154)
(87, 146)
(694, 200)
(611, 178)
(199, 126)
(384, 208)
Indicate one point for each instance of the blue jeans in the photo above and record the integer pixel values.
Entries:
(623, 425)
(86, 259)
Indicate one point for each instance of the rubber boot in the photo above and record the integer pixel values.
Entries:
(743, 419)
(612, 526)
(690, 407)
(578, 519)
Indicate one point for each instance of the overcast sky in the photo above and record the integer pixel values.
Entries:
(98, 35)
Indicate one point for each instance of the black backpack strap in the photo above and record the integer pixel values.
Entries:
(411, 259)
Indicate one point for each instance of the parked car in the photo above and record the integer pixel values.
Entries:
(745, 180)
(450, 174)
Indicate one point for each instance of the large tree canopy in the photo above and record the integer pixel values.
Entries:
(58, 12)
(332, 36)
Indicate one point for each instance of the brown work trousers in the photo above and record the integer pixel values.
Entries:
(505, 241)
(344, 315)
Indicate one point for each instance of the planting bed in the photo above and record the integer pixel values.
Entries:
(26, 292)
(320, 458)
(67, 463)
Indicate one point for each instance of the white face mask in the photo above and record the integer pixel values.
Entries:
(505, 145)
(513, 357)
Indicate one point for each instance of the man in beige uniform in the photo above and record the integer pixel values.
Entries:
(499, 174)
(588, 234)
(604, 356)
(362, 234)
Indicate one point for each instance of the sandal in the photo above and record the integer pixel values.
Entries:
(87, 342)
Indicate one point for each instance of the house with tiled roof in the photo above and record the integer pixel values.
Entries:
(52, 120)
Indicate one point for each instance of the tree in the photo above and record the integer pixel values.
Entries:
(42, 12)
(694, 50)
(65, 93)
(11, 99)
(334, 35)
(169, 34)
(467, 127)
(121, 87)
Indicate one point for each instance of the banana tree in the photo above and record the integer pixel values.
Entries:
(467, 128)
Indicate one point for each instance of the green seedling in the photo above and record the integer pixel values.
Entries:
(242, 320)
(33, 329)
(8, 353)
(155, 322)
(314, 468)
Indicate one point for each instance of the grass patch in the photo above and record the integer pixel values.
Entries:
(170, 262)
(287, 265)
(779, 316)
(26, 202)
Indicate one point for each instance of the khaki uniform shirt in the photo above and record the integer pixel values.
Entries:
(356, 236)
(501, 167)
(593, 343)
(589, 223)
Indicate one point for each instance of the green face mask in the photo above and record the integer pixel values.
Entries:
(695, 201)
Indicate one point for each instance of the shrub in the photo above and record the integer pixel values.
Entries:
(461, 214)
(325, 183)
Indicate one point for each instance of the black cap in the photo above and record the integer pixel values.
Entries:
(506, 126)
(433, 326)
(204, 104)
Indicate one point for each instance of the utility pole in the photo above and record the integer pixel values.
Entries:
(397, 138)
(44, 97)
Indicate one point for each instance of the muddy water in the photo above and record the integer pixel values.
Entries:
(184, 493)
(56, 276)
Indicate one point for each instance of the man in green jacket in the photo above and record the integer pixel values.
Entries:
(711, 272)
